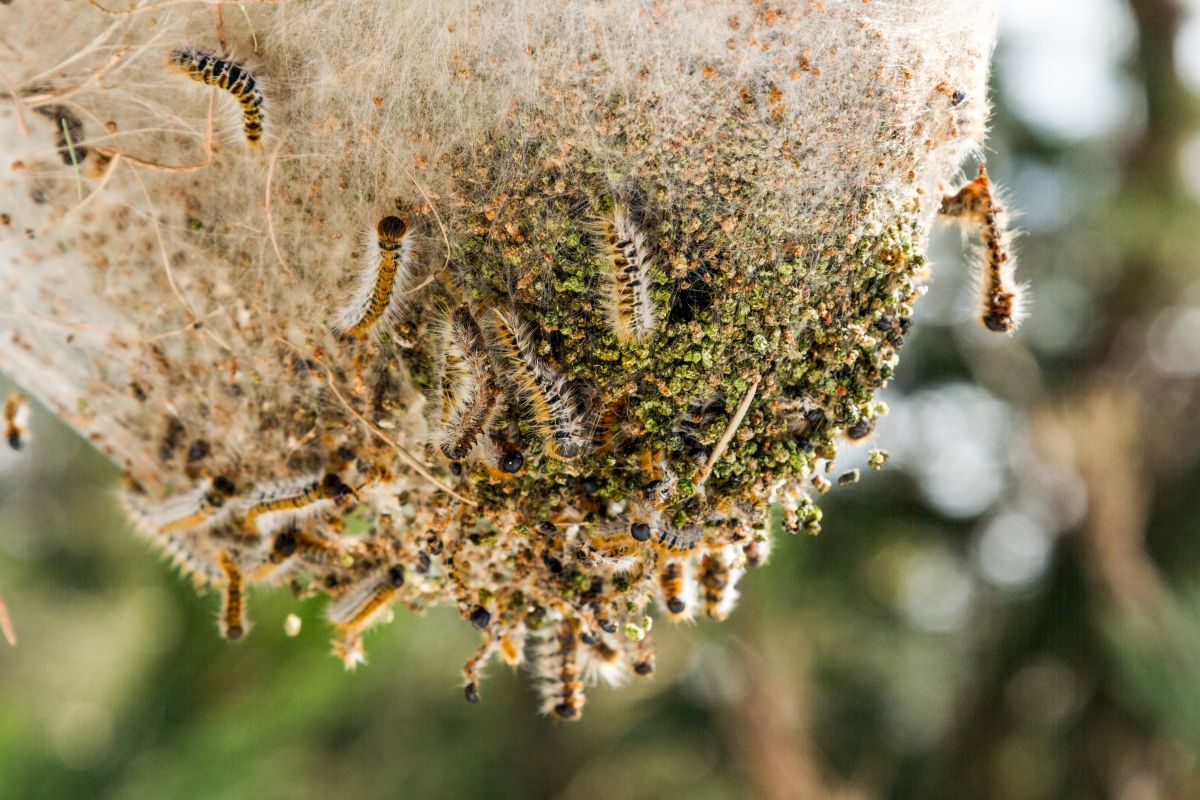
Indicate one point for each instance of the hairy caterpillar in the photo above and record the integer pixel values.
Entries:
(233, 77)
(557, 661)
(312, 549)
(662, 481)
(619, 547)
(386, 267)
(196, 511)
(293, 550)
(603, 662)
(473, 670)
(233, 602)
(1002, 298)
(192, 556)
(294, 501)
(718, 579)
(676, 541)
(677, 587)
(16, 420)
(476, 394)
(628, 265)
(360, 605)
(545, 390)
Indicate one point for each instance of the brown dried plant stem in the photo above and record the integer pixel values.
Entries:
(129, 12)
(727, 437)
(403, 452)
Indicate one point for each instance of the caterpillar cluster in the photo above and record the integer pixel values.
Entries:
(569, 440)
(696, 568)
(217, 535)
(471, 387)
(544, 390)
(1001, 297)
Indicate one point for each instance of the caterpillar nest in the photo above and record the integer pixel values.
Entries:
(634, 271)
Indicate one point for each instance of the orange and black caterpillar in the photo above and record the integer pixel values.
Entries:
(974, 205)
(544, 389)
(628, 265)
(233, 603)
(561, 679)
(295, 500)
(385, 271)
(473, 403)
(233, 77)
(16, 420)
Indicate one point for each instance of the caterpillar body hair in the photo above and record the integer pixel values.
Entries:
(620, 546)
(628, 265)
(451, 368)
(556, 660)
(293, 501)
(364, 603)
(661, 482)
(512, 643)
(603, 662)
(233, 599)
(1002, 298)
(476, 394)
(606, 430)
(720, 572)
(678, 541)
(349, 650)
(554, 410)
(678, 589)
(232, 76)
(472, 670)
(757, 550)
(187, 553)
(207, 506)
(16, 420)
(387, 266)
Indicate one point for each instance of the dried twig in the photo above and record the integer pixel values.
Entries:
(727, 437)
(404, 453)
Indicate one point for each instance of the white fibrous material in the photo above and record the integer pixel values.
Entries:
(633, 269)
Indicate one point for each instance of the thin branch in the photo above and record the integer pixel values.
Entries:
(104, 179)
(208, 149)
(18, 104)
(35, 100)
(220, 26)
(191, 326)
(66, 132)
(405, 455)
(267, 208)
(129, 12)
(166, 261)
(727, 437)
